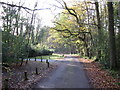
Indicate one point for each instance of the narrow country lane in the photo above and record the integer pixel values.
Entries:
(69, 74)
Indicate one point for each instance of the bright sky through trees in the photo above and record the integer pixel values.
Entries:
(46, 15)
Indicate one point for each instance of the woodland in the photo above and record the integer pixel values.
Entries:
(90, 29)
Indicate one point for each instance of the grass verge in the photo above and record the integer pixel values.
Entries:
(54, 56)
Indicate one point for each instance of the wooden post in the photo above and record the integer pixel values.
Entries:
(46, 60)
(21, 61)
(6, 84)
(35, 58)
(41, 58)
(26, 76)
(36, 71)
(27, 60)
(48, 64)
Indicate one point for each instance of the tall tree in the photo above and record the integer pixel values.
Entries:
(99, 29)
(119, 15)
(78, 16)
(113, 60)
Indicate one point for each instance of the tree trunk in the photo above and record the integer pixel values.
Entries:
(21, 62)
(113, 60)
(99, 30)
(119, 17)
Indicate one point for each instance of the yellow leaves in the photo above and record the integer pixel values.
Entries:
(69, 21)
(78, 41)
(82, 28)
(58, 40)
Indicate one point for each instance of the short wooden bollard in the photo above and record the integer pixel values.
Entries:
(35, 58)
(41, 58)
(48, 64)
(36, 71)
(21, 61)
(26, 76)
(6, 84)
(46, 60)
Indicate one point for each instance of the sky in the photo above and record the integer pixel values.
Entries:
(46, 15)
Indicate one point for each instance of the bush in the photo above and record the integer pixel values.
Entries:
(33, 52)
(46, 52)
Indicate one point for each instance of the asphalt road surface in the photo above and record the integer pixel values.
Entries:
(69, 74)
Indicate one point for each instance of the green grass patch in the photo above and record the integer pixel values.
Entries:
(54, 56)
(85, 57)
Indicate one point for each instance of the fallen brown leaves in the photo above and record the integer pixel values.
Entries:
(98, 77)
(16, 75)
(34, 79)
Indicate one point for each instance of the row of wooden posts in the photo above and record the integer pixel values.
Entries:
(26, 74)
(41, 58)
(46, 61)
(36, 70)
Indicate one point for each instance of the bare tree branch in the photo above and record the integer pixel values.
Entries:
(59, 24)
(26, 8)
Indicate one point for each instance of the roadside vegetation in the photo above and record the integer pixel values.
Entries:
(90, 29)
(99, 76)
(53, 56)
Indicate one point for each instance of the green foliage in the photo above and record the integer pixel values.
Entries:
(12, 47)
(114, 73)
(20, 36)
(38, 50)
(53, 56)
(61, 44)
(13, 41)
